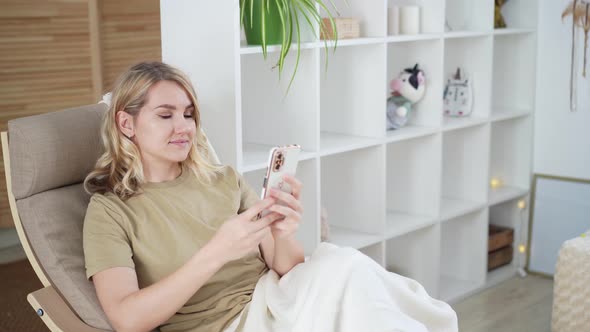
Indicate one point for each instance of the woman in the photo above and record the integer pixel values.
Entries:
(169, 240)
(164, 222)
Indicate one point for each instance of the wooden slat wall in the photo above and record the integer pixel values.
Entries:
(130, 33)
(44, 63)
(46, 55)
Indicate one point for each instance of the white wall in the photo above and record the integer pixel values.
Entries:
(562, 138)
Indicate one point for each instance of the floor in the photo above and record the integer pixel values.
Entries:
(18, 279)
(518, 304)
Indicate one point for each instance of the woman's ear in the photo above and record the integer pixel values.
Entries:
(125, 123)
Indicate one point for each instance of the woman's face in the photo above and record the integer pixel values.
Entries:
(165, 127)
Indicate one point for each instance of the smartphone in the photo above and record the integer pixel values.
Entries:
(282, 160)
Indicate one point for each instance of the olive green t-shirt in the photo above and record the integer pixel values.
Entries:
(158, 231)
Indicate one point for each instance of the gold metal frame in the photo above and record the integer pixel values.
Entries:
(532, 212)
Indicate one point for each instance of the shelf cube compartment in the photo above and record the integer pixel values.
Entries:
(376, 252)
(465, 165)
(469, 15)
(413, 171)
(269, 115)
(463, 263)
(474, 56)
(416, 255)
(428, 55)
(432, 20)
(510, 158)
(370, 15)
(520, 14)
(309, 229)
(353, 194)
(513, 57)
(510, 214)
(351, 96)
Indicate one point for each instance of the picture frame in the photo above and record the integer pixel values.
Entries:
(560, 210)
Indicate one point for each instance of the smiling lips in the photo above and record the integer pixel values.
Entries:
(180, 142)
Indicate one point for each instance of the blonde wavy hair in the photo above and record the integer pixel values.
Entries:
(119, 169)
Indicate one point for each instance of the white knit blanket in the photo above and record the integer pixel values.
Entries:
(340, 289)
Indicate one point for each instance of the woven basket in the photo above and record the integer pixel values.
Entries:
(348, 27)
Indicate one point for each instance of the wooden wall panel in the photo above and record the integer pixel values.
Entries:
(44, 58)
(44, 63)
(46, 55)
(130, 33)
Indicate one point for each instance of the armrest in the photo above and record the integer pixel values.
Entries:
(56, 314)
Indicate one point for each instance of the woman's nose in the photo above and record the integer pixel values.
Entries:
(182, 124)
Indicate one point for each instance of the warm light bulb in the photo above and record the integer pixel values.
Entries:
(495, 183)
(521, 248)
(521, 204)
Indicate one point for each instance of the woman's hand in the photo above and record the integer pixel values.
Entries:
(291, 211)
(241, 235)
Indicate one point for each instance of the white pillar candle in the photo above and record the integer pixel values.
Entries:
(409, 20)
(393, 20)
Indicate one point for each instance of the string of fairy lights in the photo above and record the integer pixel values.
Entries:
(497, 183)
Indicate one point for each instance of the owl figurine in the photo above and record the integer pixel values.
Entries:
(458, 96)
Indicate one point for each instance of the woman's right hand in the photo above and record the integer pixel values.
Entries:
(240, 234)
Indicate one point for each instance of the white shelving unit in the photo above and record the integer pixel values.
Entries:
(418, 199)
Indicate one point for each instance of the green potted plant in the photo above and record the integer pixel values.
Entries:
(279, 22)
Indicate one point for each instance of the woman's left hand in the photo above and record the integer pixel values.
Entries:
(292, 210)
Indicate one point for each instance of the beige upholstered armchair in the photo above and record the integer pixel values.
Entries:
(46, 159)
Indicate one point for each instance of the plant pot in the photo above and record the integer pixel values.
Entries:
(253, 28)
